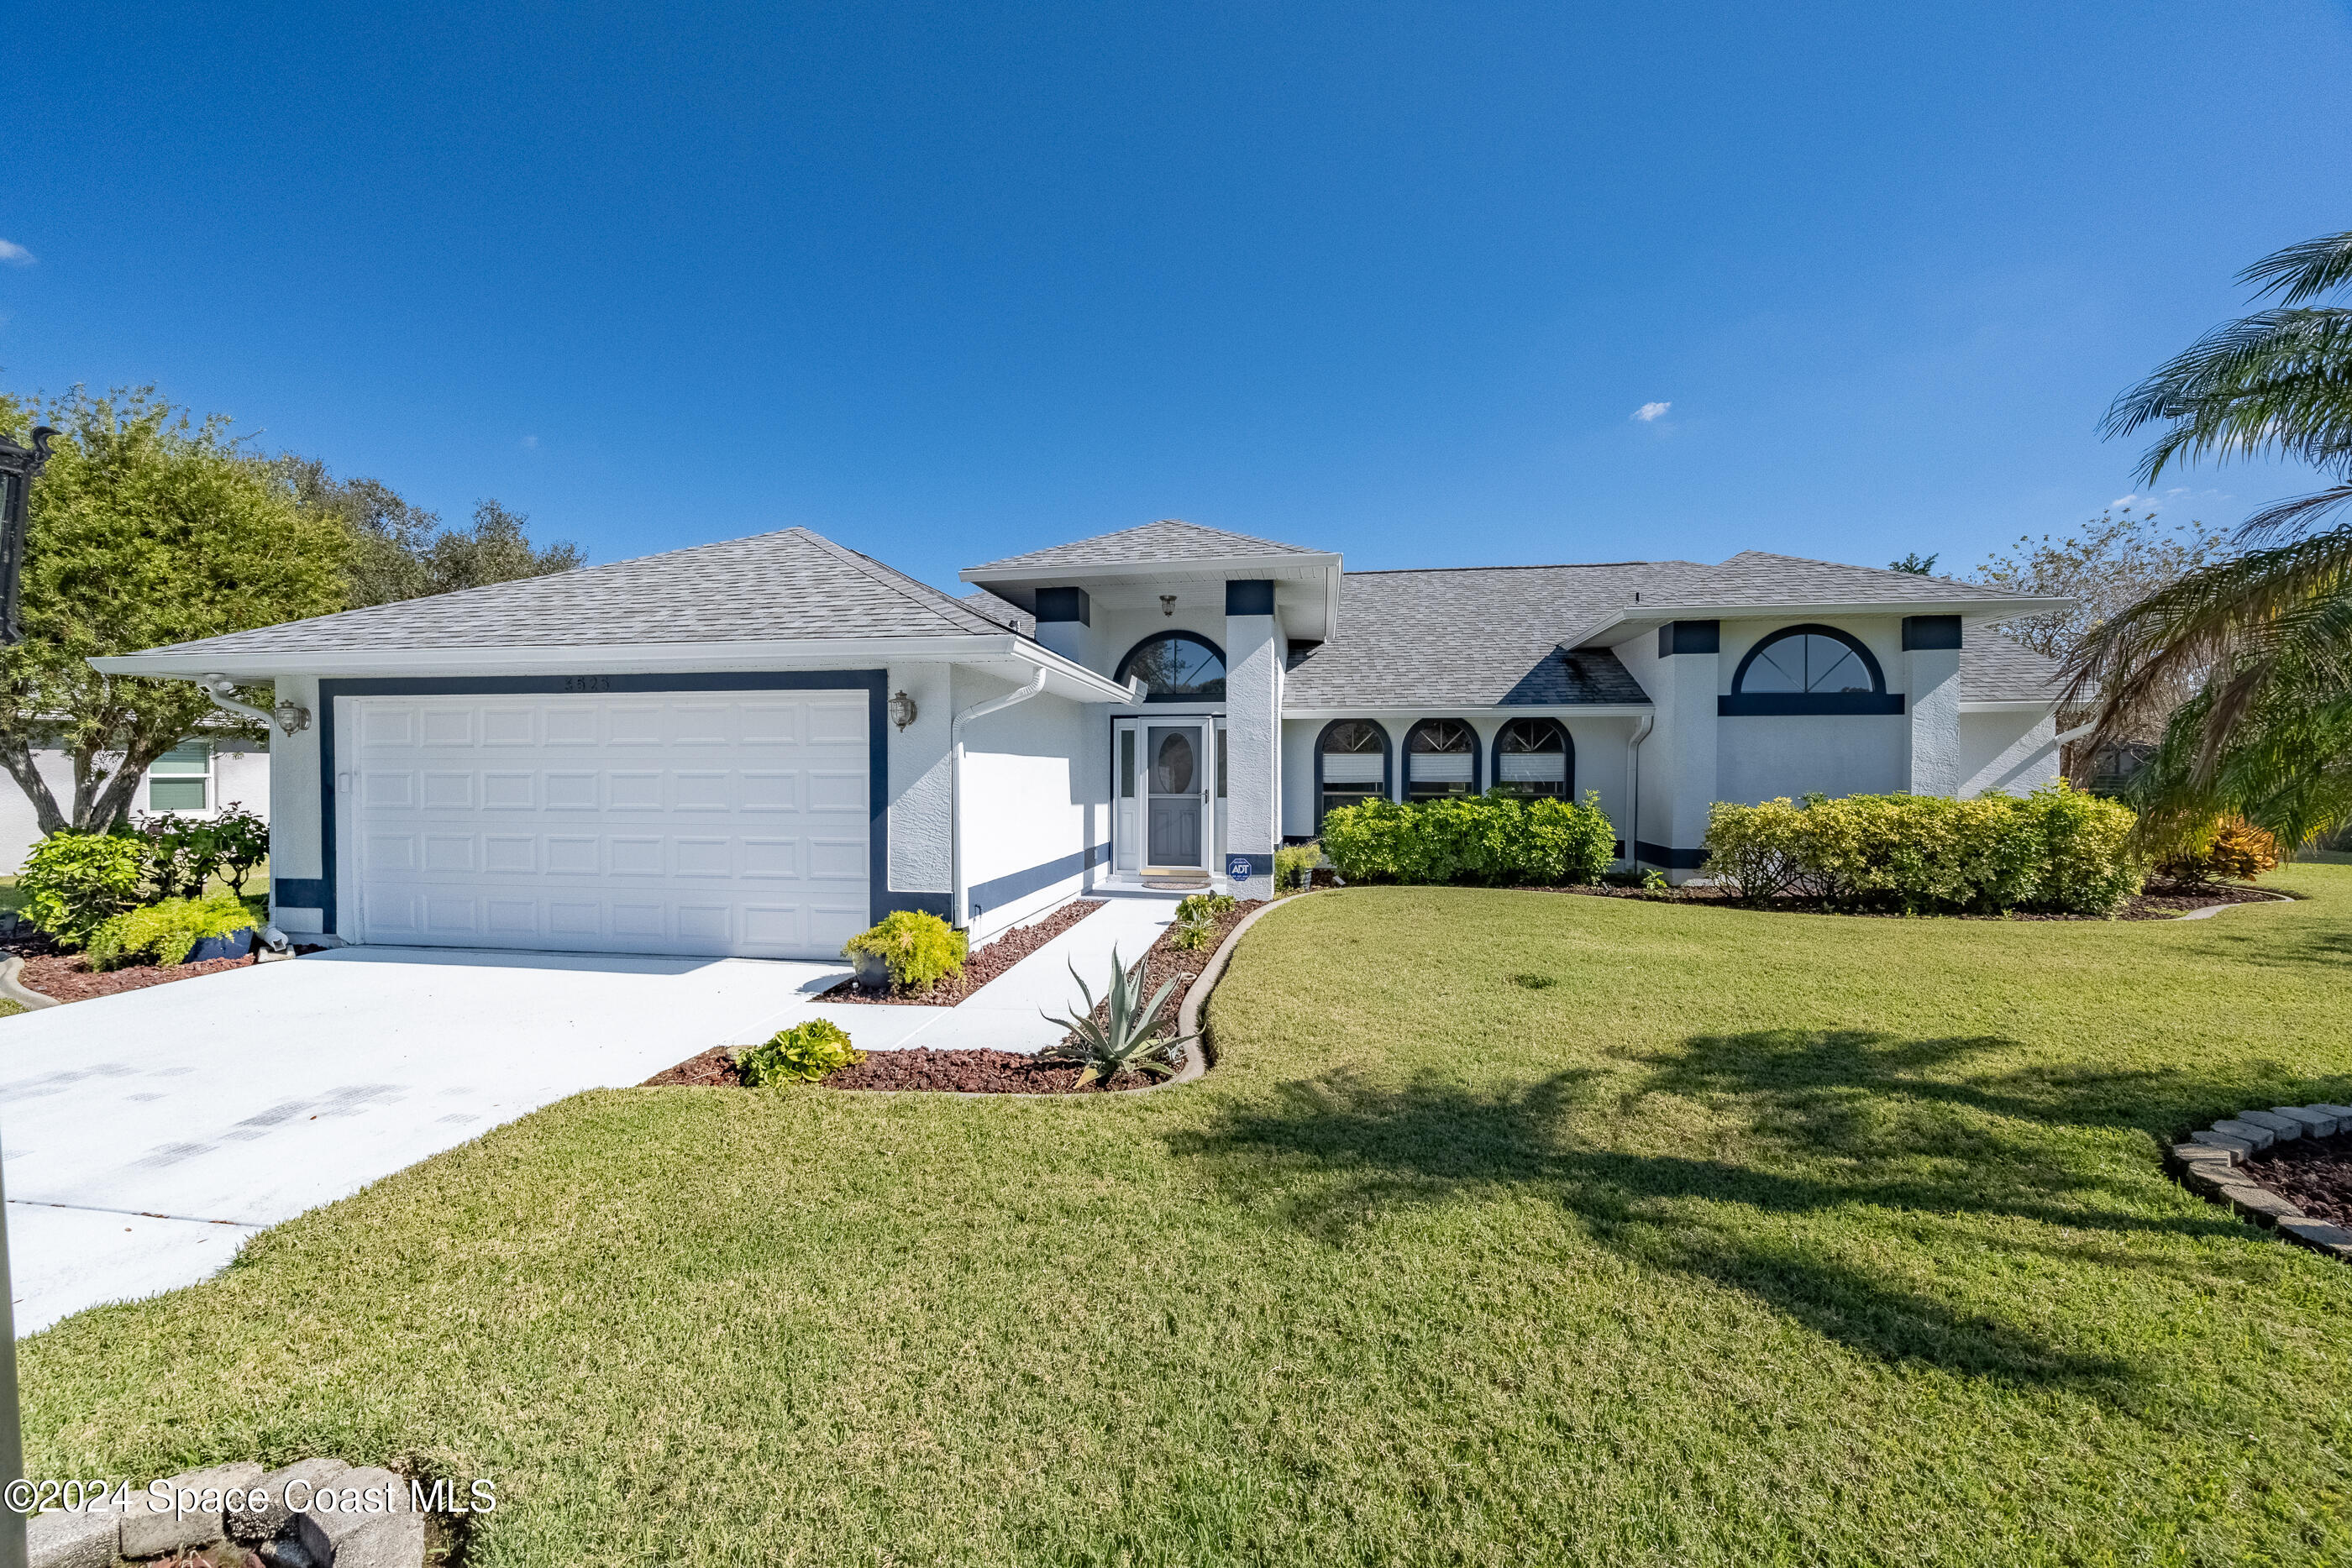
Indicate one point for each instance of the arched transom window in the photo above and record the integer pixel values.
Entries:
(1534, 756)
(1351, 764)
(1177, 667)
(1440, 757)
(1813, 660)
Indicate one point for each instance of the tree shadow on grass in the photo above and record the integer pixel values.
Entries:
(1824, 1123)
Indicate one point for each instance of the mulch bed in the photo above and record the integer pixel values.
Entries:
(69, 976)
(979, 968)
(2313, 1174)
(985, 1072)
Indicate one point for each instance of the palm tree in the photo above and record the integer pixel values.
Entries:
(2264, 638)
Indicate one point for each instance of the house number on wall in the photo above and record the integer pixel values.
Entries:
(587, 682)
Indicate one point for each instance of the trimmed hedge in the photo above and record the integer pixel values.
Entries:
(1496, 839)
(72, 883)
(2057, 848)
(166, 933)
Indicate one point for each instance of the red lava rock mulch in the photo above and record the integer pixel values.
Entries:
(2157, 901)
(69, 976)
(979, 968)
(985, 1072)
(2313, 1173)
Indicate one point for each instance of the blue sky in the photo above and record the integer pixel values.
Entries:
(949, 282)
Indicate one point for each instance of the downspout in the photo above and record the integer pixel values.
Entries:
(289, 717)
(960, 911)
(1633, 788)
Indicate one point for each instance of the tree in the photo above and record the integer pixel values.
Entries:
(146, 529)
(2262, 638)
(2118, 559)
(402, 551)
(1915, 563)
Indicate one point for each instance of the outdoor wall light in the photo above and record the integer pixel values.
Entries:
(1167, 604)
(901, 709)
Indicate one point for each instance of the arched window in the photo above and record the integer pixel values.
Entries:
(1177, 667)
(1440, 757)
(1809, 670)
(1351, 764)
(1535, 757)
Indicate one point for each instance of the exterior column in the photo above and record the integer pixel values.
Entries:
(1064, 615)
(1689, 652)
(1931, 645)
(1253, 737)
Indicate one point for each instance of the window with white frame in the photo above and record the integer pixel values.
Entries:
(181, 779)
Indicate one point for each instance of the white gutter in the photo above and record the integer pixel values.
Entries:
(618, 658)
(1634, 787)
(961, 909)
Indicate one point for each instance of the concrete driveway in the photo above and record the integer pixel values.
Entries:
(148, 1134)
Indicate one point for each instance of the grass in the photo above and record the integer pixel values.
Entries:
(1751, 1239)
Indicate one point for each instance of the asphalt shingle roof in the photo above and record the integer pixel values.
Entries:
(1481, 636)
(1998, 669)
(779, 587)
(1166, 540)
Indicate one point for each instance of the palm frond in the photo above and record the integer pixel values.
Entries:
(2280, 382)
(2300, 271)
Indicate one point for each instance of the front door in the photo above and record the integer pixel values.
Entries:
(1177, 777)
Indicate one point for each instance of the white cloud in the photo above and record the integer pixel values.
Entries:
(1652, 411)
(530, 444)
(15, 252)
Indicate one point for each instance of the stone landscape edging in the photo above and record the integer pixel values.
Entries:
(2207, 1160)
(390, 1535)
(13, 988)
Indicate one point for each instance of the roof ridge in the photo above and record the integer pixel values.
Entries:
(923, 595)
(1521, 565)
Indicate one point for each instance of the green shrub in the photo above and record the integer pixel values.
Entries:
(2057, 848)
(72, 883)
(800, 1055)
(2229, 847)
(1292, 865)
(920, 949)
(1196, 918)
(1492, 838)
(165, 932)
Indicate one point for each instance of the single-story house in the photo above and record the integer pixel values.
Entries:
(761, 747)
(201, 777)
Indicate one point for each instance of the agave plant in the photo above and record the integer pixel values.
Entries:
(1130, 1039)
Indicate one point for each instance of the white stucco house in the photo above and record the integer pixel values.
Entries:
(201, 776)
(761, 747)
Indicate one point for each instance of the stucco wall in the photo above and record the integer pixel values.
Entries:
(2014, 753)
(920, 857)
(1035, 799)
(1837, 754)
(295, 815)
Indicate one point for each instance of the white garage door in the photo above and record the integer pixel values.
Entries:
(718, 823)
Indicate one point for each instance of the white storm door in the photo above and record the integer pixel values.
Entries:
(695, 823)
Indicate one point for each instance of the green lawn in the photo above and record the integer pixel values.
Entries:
(1751, 1239)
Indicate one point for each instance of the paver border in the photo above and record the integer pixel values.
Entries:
(2209, 1157)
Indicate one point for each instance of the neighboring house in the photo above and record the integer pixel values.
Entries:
(196, 779)
(760, 747)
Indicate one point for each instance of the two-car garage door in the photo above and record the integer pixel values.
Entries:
(728, 823)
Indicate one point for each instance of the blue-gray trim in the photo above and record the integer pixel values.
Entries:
(1789, 705)
(1063, 604)
(1477, 774)
(1923, 632)
(939, 903)
(1181, 636)
(1672, 859)
(874, 683)
(1690, 637)
(1016, 884)
(1388, 762)
(1812, 628)
(298, 893)
(1567, 746)
(1249, 596)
